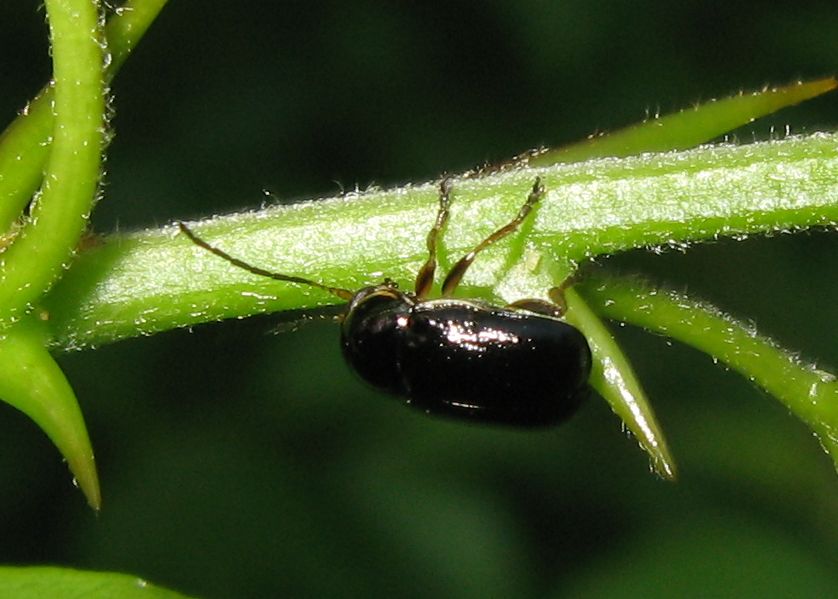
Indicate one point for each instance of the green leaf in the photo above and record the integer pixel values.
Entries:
(614, 379)
(32, 382)
(687, 128)
(66, 583)
(809, 392)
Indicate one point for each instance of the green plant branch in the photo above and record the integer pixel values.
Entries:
(597, 207)
(29, 377)
(155, 280)
(56, 142)
(59, 214)
(25, 144)
(807, 391)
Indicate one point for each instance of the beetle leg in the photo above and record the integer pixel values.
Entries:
(456, 273)
(425, 276)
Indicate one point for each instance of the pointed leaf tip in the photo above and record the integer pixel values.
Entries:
(614, 379)
(31, 381)
(687, 128)
(809, 392)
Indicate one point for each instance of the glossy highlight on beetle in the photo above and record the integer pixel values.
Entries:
(519, 365)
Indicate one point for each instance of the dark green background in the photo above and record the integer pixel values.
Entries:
(237, 463)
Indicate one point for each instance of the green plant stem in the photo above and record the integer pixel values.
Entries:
(63, 129)
(810, 393)
(127, 27)
(59, 215)
(25, 144)
(29, 377)
(141, 283)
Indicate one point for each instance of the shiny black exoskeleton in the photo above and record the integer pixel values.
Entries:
(520, 365)
(468, 359)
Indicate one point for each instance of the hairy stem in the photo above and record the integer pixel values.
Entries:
(808, 392)
(59, 215)
(25, 144)
(155, 280)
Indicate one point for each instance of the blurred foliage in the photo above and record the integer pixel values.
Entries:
(38, 581)
(238, 463)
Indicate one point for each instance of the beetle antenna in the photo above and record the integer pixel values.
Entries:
(425, 276)
(455, 275)
(343, 294)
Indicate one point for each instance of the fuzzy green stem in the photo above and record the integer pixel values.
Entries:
(30, 379)
(59, 215)
(25, 144)
(155, 280)
(809, 392)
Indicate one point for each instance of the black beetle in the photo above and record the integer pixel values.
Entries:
(519, 365)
